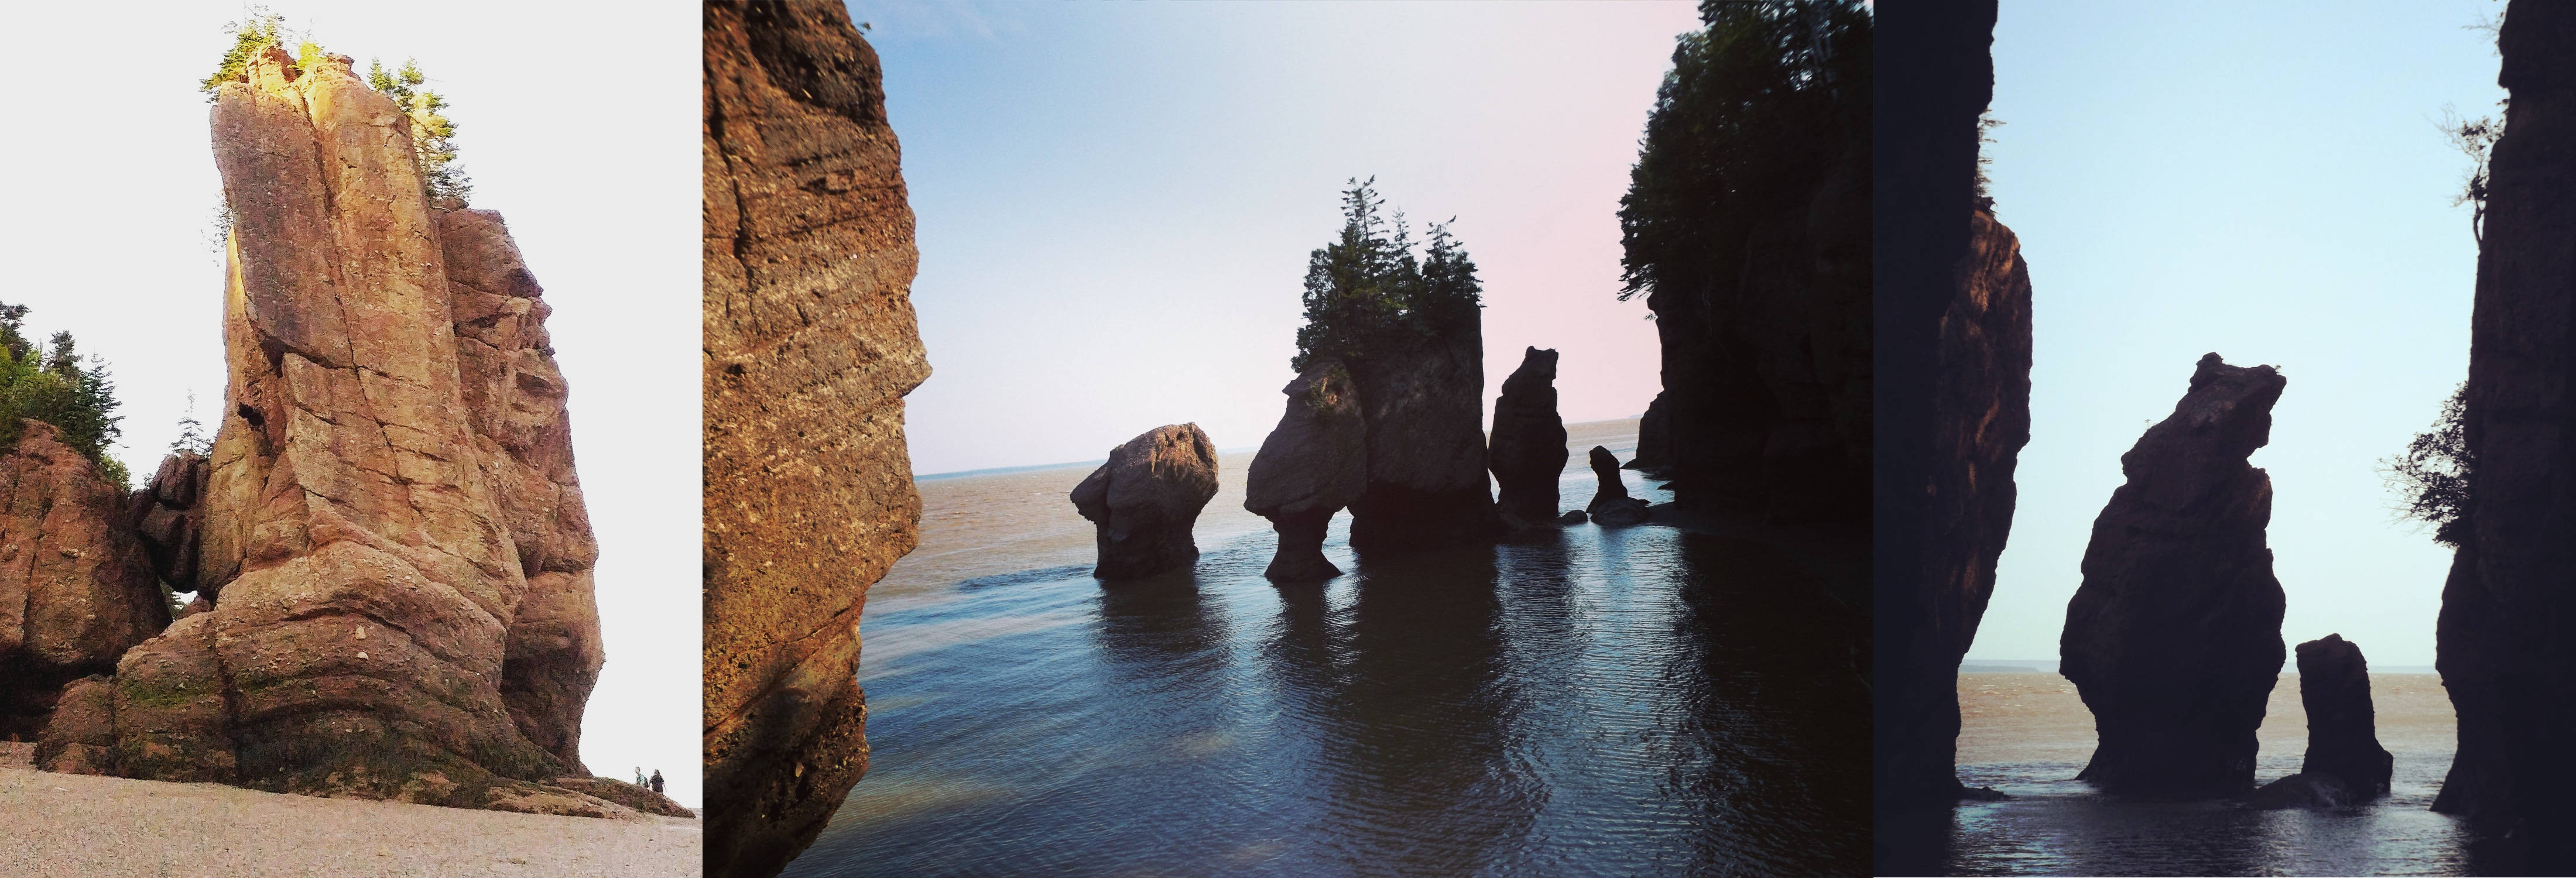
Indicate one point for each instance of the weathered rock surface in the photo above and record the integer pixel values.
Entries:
(76, 588)
(2343, 739)
(388, 527)
(810, 346)
(80, 737)
(1528, 453)
(1315, 463)
(1611, 506)
(2304, 790)
(2504, 647)
(2174, 637)
(1143, 501)
(642, 799)
(166, 514)
(1425, 407)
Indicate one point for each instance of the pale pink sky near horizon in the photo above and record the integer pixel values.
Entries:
(1116, 202)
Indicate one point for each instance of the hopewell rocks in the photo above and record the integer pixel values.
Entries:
(810, 347)
(1312, 465)
(1611, 506)
(2174, 637)
(1527, 453)
(388, 528)
(1144, 499)
(2344, 763)
(77, 588)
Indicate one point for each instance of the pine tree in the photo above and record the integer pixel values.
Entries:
(192, 433)
(432, 133)
(1367, 292)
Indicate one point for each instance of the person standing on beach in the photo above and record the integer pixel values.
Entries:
(639, 775)
(657, 780)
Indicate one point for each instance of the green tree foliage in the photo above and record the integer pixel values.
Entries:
(192, 433)
(2433, 477)
(432, 133)
(56, 387)
(1367, 291)
(258, 29)
(1732, 141)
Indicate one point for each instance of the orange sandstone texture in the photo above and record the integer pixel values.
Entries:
(389, 527)
(76, 587)
(810, 347)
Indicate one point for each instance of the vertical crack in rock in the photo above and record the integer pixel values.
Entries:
(2174, 637)
(810, 346)
(388, 528)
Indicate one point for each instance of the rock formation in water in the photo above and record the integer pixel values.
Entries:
(2305, 789)
(2343, 739)
(1942, 322)
(1315, 463)
(1611, 506)
(2174, 637)
(2503, 647)
(1143, 501)
(389, 527)
(76, 587)
(1528, 450)
(810, 346)
(1425, 408)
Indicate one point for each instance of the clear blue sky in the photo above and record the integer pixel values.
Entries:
(1116, 200)
(2262, 180)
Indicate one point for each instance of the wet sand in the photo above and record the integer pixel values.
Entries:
(70, 824)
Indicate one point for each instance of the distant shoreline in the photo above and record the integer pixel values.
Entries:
(1007, 470)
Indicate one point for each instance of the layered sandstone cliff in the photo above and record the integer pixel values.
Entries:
(2174, 638)
(810, 347)
(2504, 649)
(77, 589)
(388, 528)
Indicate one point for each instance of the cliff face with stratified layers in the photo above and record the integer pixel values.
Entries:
(810, 347)
(389, 530)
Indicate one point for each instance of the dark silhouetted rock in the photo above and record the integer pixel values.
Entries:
(1528, 454)
(1143, 501)
(811, 345)
(1611, 506)
(1571, 516)
(1654, 438)
(2343, 741)
(1315, 463)
(2174, 638)
(76, 587)
(2303, 790)
(1425, 407)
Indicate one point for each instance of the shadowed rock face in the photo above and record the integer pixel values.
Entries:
(810, 346)
(1312, 465)
(76, 588)
(2343, 739)
(2505, 650)
(1144, 499)
(1611, 506)
(166, 514)
(2174, 638)
(1425, 407)
(389, 526)
(1528, 451)
(1934, 75)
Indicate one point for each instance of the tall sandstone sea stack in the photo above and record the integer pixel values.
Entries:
(1425, 407)
(2504, 648)
(1528, 453)
(1951, 357)
(1310, 466)
(2174, 638)
(810, 347)
(389, 528)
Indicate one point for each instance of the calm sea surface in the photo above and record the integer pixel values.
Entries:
(1603, 702)
(2028, 734)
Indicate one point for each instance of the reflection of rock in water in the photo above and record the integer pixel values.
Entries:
(1415, 704)
(1148, 624)
(1779, 709)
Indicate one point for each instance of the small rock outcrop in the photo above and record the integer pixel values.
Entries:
(76, 588)
(2174, 637)
(2305, 789)
(1528, 447)
(642, 799)
(388, 527)
(1611, 506)
(2343, 739)
(1143, 501)
(810, 346)
(1314, 464)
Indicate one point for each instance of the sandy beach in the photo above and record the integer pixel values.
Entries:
(68, 824)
